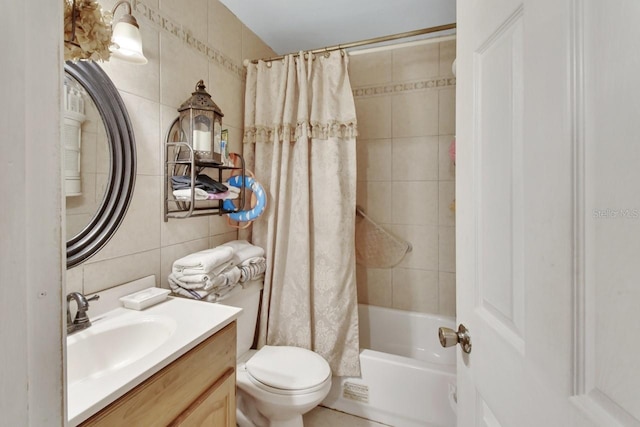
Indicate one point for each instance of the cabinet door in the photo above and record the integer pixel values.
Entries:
(165, 395)
(216, 407)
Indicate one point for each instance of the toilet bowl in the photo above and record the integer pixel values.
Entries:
(276, 385)
(282, 383)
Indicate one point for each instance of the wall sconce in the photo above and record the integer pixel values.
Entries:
(89, 34)
(201, 125)
(127, 43)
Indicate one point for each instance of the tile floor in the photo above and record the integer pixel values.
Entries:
(325, 417)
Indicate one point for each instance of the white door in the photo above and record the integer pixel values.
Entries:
(548, 212)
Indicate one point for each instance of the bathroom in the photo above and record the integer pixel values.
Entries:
(425, 281)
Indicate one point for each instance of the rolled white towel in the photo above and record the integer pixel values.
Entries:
(200, 194)
(228, 277)
(195, 279)
(243, 250)
(207, 283)
(227, 195)
(233, 276)
(185, 194)
(252, 268)
(178, 289)
(203, 262)
(192, 282)
(254, 260)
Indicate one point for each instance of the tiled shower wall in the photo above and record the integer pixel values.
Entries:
(184, 41)
(405, 105)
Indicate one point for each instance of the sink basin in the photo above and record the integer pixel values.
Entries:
(122, 348)
(112, 344)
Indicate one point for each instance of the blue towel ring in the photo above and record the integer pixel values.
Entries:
(258, 193)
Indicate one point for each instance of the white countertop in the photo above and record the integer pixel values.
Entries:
(195, 321)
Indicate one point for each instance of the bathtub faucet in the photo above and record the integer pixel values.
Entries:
(81, 320)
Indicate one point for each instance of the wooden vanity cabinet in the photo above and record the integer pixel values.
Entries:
(215, 407)
(198, 389)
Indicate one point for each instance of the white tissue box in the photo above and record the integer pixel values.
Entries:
(145, 298)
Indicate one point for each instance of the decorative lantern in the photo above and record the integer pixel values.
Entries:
(201, 124)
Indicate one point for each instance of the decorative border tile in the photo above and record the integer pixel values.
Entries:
(393, 88)
(182, 33)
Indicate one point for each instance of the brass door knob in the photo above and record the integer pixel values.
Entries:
(448, 337)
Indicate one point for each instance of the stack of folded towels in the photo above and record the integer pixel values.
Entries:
(215, 274)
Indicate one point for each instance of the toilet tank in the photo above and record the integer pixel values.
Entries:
(248, 299)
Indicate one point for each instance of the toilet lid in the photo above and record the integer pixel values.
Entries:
(288, 368)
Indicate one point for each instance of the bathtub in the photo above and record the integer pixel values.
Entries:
(407, 378)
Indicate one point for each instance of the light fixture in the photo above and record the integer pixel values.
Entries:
(91, 34)
(127, 43)
(201, 126)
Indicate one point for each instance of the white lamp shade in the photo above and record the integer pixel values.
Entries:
(128, 43)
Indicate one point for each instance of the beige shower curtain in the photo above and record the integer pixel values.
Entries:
(300, 128)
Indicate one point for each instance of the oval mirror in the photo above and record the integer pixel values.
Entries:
(99, 159)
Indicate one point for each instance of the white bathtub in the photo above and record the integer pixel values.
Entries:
(407, 378)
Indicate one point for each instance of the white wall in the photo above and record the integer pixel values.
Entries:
(30, 226)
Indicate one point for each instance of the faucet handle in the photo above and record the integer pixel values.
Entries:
(81, 320)
(94, 298)
(81, 314)
(85, 304)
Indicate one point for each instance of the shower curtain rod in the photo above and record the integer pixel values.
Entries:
(365, 42)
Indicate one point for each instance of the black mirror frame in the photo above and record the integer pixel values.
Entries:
(122, 174)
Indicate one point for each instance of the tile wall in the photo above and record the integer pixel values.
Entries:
(405, 105)
(184, 41)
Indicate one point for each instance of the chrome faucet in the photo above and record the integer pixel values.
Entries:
(81, 320)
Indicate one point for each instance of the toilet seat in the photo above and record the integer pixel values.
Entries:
(288, 370)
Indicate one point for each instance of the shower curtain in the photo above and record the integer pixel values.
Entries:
(300, 128)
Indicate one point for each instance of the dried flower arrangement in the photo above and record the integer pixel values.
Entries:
(90, 36)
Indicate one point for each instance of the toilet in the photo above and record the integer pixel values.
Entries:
(276, 385)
